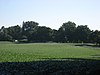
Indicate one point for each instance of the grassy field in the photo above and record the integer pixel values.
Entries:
(10, 52)
(48, 59)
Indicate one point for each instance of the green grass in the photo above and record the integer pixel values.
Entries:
(10, 52)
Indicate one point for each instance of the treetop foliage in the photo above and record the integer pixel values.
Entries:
(31, 32)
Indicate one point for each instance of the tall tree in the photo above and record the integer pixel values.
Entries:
(66, 32)
(28, 28)
(3, 35)
(54, 35)
(95, 37)
(42, 34)
(82, 33)
(15, 32)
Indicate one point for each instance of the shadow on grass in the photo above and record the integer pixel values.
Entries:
(90, 45)
(65, 66)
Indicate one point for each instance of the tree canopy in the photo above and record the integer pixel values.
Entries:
(32, 32)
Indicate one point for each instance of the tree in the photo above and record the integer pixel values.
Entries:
(42, 34)
(66, 32)
(15, 32)
(82, 33)
(54, 35)
(95, 37)
(3, 35)
(28, 28)
(98, 39)
(31, 32)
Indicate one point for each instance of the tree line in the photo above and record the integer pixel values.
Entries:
(32, 32)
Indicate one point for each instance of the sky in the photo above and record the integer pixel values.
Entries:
(50, 13)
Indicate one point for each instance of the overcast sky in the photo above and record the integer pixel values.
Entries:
(50, 13)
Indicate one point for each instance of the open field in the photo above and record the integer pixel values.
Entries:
(48, 59)
(10, 52)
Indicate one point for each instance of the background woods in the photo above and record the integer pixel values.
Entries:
(32, 32)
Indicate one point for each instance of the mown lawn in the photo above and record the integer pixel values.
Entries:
(48, 59)
(10, 52)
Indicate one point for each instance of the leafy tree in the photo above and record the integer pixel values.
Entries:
(54, 35)
(98, 39)
(42, 34)
(31, 32)
(15, 32)
(60, 36)
(66, 32)
(28, 28)
(82, 33)
(3, 35)
(95, 37)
